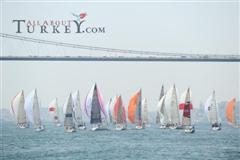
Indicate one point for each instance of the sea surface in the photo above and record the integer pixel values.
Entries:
(151, 144)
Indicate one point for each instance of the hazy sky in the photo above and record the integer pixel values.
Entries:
(186, 27)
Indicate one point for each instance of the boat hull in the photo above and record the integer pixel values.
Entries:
(189, 129)
(39, 129)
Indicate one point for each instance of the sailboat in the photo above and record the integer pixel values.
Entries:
(135, 109)
(54, 111)
(230, 113)
(164, 120)
(120, 114)
(109, 111)
(211, 109)
(78, 111)
(17, 110)
(145, 113)
(158, 109)
(171, 104)
(94, 108)
(32, 110)
(69, 125)
(186, 115)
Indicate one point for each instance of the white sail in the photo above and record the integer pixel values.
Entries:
(32, 110)
(17, 109)
(164, 120)
(145, 111)
(54, 111)
(171, 103)
(211, 109)
(109, 110)
(77, 109)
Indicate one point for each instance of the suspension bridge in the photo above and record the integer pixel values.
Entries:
(124, 54)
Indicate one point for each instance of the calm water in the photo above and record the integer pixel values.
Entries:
(151, 143)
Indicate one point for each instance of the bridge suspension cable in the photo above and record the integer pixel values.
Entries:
(111, 50)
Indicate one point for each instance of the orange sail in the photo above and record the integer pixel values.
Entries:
(132, 106)
(230, 111)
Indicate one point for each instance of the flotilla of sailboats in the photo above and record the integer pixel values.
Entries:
(170, 113)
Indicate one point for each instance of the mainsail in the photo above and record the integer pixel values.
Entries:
(77, 109)
(32, 109)
(68, 113)
(109, 110)
(163, 116)
(184, 104)
(119, 111)
(17, 109)
(230, 112)
(158, 109)
(186, 119)
(54, 111)
(145, 111)
(94, 107)
(135, 108)
(211, 109)
(171, 104)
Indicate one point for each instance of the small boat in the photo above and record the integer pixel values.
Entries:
(17, 110)
(109, 111)
(32, 110)
(145, 113)
(171, 105)
(187, 107)
(211, 109)
(94, 108)
(77, 111)
(231, 113)
(135, 109)
(69, 125)
(54, 111)
(120, 114)
(158, 107)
